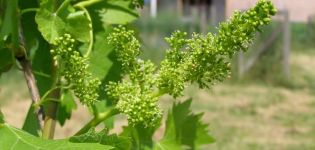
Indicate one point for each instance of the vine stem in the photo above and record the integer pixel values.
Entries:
(31, 84)
(51, 107)
(21, 57)
(97, 120)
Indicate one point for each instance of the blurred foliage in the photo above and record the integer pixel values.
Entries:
(303, 35)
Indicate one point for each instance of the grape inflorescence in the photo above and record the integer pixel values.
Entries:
(201, 59)
(73, 68)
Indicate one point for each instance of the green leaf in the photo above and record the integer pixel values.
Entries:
(67, 104)
(78, 25)
(32, 37)
(42, 67)
(119, 142)
(6, 60)
(103, 63)
(117, 12)
(141, 137)
(14, 139)
(102, 106)
(1, 117)
(50, 25)
(184, 128)
(102, 58)
(31, 124)
(53, 24)
(9, 27)
(166, 145)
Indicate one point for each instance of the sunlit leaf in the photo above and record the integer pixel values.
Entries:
(78, 26)
(117, 12)
(6, 60)
(184, 129)
(14, 139)
(102, 137)
(50, 25)
(31, 124)
(66, 105)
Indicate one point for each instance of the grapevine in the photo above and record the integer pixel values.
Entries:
(73, 67)
(65, 47)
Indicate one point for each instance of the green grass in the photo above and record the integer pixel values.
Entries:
(263, 116)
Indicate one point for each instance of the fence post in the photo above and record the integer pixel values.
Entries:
(153, 8)
(286, 44)
(240, 64)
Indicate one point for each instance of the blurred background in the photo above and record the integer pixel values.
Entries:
(267, 104)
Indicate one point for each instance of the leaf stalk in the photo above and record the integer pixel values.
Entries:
(97, 120)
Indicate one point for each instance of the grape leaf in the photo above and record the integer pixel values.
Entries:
(67, 104)
(54, 24)
(6, 60)
(42, 67)
(119, 142)
(49, 24)
(78, 26)
(103, 63)
(103, 106)
(117, 12)
(141, 137)
(1, 117)
(14, 139)
(9, 28)
(32, 36)
(31, 124)
(100, 63)
(184, 128)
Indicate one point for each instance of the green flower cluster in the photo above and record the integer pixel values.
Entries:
(127, 47)
(171, 78)
(202, 59)
(73, 67)
(134, 93)
(237, 33)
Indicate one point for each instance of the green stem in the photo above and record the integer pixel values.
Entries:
(87, 3)
(97, 120)
(50, 116)
(63, 6)
(95, 111)
(27, 10)
(91, 31)
(159, 93)
(44, 97)
(50, 108)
